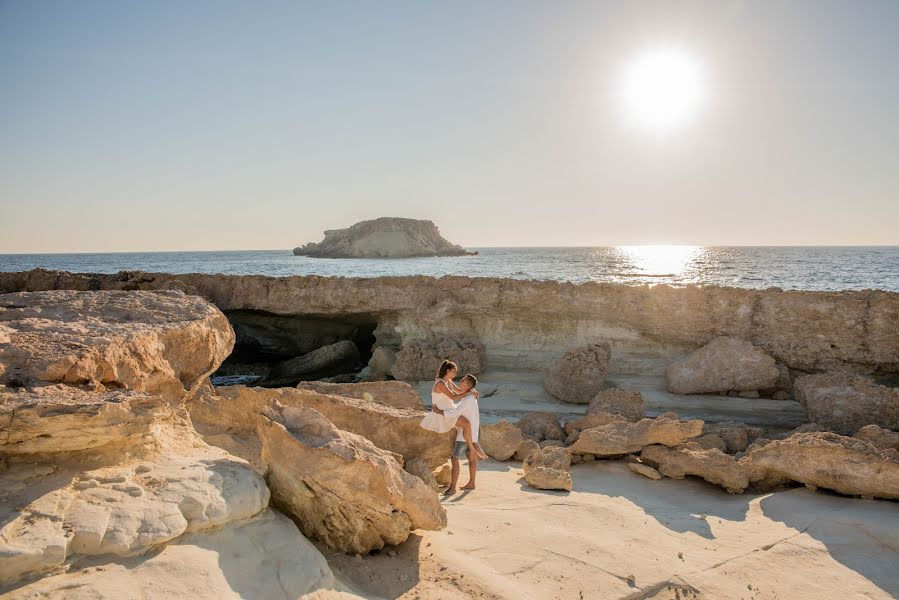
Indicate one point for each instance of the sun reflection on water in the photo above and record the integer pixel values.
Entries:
(658, 261)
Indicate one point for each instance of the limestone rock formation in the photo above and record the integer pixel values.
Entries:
(548, 469)
(623, 438)
(158, 342)
(397, 394)
(200, 566)
(381, 362)
(387, 237)
(539, 426)
(234, 408)
(592, 420)
(732, 437)
(333, 359)
(882, 439)
(418, 360)
(419, 468)
(525, 448)
(618, 402)
(827, 460)
(341, 488)
(644, 470)
(844, 403)
(712, 465)
(722, 365)
(501, 440)
(578, 375)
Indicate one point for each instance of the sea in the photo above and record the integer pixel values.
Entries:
(789, 267)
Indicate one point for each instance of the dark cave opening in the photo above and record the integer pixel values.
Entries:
(282, 350)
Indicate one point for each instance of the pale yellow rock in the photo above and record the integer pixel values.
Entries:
(844, 402)
(882, 439)
(525, 449)
(579, 374)
(341, 488)
(724, 364)
(713, 465)
(500, 440)
(158, 342)
(644, 470)
(397, 394)
(622, 438)
(548, 469)
(419, 359)
(614, 401)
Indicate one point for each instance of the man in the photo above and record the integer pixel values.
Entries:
(468, 407)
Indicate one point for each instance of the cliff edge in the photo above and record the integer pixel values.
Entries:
(387, 237)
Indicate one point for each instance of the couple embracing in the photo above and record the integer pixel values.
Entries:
(465, 417)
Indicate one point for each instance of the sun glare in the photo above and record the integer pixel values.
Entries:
(662, 88)
(658, 261)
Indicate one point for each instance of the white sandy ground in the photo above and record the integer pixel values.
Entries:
(676, 539)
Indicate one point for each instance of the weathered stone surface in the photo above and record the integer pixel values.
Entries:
(882, 439)
(592, 420)
(65, 418)
(235, 408)
(119, 510)
(329, 360)
(579, 374)
(552, 444)
(418, 360)
(828, 460)
(386, 237)
(341, 488)
(735, 437)
(844, 402)
(500, 441)
(724, 364)
(275, 561)
(783, 387)
(618, 402)
(444, 476)
(525, 449)
(688, 459)
(623, 438)
(548, 469)
(539, 426)
(419, 468)
(644, 470)
(397, 394)
(157, 342)
(525, 324)
(381, 362)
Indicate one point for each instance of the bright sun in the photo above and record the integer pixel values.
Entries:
(662, 88)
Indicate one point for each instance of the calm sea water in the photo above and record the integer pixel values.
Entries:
(808, 268)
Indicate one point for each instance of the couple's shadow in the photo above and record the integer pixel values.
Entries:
(457, 497)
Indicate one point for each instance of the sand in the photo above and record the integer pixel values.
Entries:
(620, 535)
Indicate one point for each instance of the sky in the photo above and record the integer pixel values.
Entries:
(208, 125)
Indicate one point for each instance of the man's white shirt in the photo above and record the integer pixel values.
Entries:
(468, 408)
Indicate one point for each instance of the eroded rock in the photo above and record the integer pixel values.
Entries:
(644, 470)
(328, 360)
(623, 438)
(579, 374)
(882, 439)
(713, 465)
(418, 360)
(397, 394)
(341, 488)
(844, 402)
(618, 402)
(724, 364)
(500, 441)
(539, 426)
(548, 469)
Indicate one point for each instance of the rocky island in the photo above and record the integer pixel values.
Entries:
(645, 442)
(387, 237)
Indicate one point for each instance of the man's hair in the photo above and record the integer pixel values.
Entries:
(470, 379)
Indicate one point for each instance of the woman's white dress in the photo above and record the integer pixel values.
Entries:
(445, 422)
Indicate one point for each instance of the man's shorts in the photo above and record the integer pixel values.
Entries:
(460, 450)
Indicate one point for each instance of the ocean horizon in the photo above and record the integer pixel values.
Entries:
(823, 268)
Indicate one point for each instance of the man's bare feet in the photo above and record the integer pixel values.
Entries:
(449, 491)
(467, 486)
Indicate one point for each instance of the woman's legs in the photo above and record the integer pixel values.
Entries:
(465, 424)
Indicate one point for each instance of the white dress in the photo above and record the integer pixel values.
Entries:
(445, 422)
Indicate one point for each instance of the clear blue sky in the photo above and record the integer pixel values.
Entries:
(230, 125)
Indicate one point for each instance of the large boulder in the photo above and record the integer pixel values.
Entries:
(539, 426)
(419, 468)
(823, 459)
(341, 488)
(548, 469)
(882, 439)
(418, 360)
(731, 437)
(158, 342)
(386, 237)
(381, 362)
(525, 448)
(579, 374)
(713, 465)
(397, 394)
(618, 402)
(501, 440)
(235, 408)
(620, 438)
(724, 364)
(844, 402)
(332, 359)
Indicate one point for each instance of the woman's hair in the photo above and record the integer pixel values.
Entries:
(445, 367)
(470, 379)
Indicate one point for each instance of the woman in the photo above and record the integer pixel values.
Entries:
(444, 415)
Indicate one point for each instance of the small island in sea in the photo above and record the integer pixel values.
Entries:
(387, 237)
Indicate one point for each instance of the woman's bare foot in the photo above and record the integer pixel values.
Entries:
(467, 486)
(449, 491)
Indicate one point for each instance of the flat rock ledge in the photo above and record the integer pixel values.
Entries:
(619, 438)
